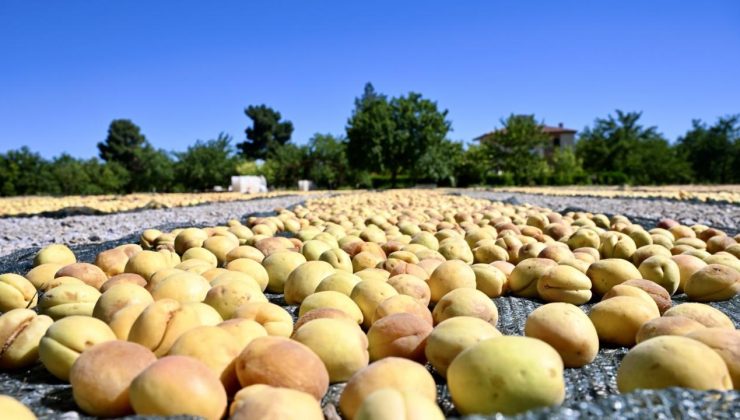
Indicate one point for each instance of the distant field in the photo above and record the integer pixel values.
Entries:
(703, 193)
(104, 204)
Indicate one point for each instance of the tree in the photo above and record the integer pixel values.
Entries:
(286, 165)
(619, 148)
(266, 133)
(149, 169)
(111, 177)
(206, 164)
(391, 136)
(155, 171)
(370, 131)
(23, 172)
(329, 167)
(72, 177)
(439, 162)
(567, 168)
(713, 151)
(248, 167)
(472, 168)
(123, 141)
(657, 162)
(517, 149)
(421, 131)
(86, 177)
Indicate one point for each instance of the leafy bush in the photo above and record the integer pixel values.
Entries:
(23, 172)
(567, 169)
(612, 178)
(382, 182)
(206, 164)
(327, 161)
(517, 149)
(618, 149)
(713, 152)
(286, 165)
(504, 179)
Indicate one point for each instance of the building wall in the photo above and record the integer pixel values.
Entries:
(567, 140)
(558, 141)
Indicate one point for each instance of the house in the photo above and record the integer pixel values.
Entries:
(559, 137)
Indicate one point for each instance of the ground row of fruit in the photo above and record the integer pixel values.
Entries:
(36, 232)
(703, 193)
(105, 204)
(374, 304)
(645, 211)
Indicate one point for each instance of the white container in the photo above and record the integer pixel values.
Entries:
(249, 184)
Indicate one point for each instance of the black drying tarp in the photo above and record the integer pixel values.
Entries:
(591, 391)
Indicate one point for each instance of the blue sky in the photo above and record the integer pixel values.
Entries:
(185, 70)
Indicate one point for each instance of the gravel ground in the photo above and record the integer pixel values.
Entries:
(24, 232)
(719, 215)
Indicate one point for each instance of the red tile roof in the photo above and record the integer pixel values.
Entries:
(557, 130)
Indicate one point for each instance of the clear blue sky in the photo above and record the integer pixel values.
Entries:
(185, 70)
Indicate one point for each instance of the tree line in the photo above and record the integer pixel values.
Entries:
(388, 142)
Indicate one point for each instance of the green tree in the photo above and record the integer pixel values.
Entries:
(149, 169)
(122, 143)
(517, 149)
(657, 162)
(713, 151)
(439, 162)
(23, 172)
(391, 136)
(329, 167)
(155, 171)
(87, 176)
(73, 177)
(618, 149)
(370, 130)
(206, 164)
(421, 131)
(567, 168)
(111, 177)
(248, 167)
(472, 168)
(267, 132)
(286, 165)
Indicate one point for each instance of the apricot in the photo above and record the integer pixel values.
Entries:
(672, 361)
(178, 385)
(506, 374)
(451, 336)
(102, 375)
(341, 345)
(391, 372)
(567, 329)
(281, 362)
